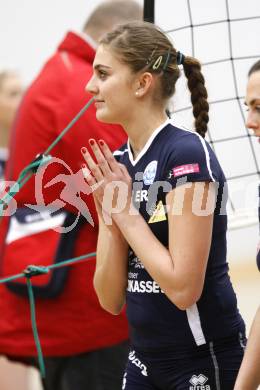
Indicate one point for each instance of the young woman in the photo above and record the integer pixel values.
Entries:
(162, 237)
(249, 374)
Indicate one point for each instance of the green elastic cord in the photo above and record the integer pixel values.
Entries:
(28, 273)
(24, 176)
(34, 327)
(39, 161)
(74, 120)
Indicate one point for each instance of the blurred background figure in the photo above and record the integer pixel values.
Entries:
(84, 346)
(249, 374)
(11, 89)
(10, 96)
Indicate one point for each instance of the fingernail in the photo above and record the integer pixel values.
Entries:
(83, 150)
(92, 142)
(101, 142)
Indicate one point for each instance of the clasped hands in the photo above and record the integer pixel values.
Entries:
(109, 181)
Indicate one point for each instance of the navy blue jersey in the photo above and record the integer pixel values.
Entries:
(172, 157)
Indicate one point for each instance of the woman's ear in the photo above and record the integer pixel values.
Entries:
(143, 84)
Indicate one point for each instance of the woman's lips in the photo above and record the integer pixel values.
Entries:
(99, 103)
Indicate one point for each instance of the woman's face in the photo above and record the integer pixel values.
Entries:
(113, 88)
(253, 103)
(10, 96)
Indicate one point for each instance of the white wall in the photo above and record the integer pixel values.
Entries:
(31, 30)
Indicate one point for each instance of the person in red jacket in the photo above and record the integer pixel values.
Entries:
(84, 346)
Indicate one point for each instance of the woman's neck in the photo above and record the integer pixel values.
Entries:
(4, 137)
(141, 129)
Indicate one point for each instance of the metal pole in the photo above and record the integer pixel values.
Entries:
(149, 11)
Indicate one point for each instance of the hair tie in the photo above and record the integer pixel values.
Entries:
(180, 58)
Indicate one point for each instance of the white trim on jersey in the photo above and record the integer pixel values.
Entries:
(207, 156)
(119, 152)
(195, 324)
(203, 143)
(147, 145)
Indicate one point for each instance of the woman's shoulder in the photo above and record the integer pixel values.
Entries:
(182, 140)
(188, 152)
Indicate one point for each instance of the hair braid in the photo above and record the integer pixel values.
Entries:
(199, 95)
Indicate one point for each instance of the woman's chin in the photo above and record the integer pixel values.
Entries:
(257, 134)
(102, 117)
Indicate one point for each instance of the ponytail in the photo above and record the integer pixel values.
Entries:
(199, 95)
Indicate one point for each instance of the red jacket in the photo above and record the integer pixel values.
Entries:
(73, 322)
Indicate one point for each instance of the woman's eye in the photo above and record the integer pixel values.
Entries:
(255, 108)
(102, 74)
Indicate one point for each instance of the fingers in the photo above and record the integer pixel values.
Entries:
(101, 160)
(106, 165)
(94, 169)
(111, 161)
(87, 175)
(93, 184)
(124, 170)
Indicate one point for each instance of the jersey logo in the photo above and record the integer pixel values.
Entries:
(158, 214)
(144, 286)
(198, 382)
(136, 263)
(150, 172)
(132, 357)
(185, 169)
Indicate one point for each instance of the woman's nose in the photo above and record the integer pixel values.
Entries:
(91, 87)
(251, 122)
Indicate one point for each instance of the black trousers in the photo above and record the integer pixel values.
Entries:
(98, 370)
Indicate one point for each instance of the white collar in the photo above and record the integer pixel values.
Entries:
(147, 144)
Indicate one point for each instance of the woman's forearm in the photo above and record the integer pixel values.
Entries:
(110, 280)
(249, 373)
(155, 257)
(180, 271)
